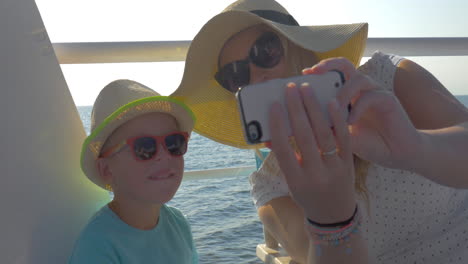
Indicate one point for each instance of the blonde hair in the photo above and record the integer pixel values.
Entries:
(297, 59)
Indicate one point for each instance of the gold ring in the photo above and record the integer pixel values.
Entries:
(331, 152)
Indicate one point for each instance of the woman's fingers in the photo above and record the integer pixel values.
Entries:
(301, 127)
(340, 130)
(321, 127)
(367, 100)
(319, 177)
(354, 87)
(341, 64)
(280, 145)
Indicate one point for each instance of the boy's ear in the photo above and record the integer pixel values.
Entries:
(105, 173)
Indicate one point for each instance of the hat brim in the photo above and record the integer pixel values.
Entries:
(216, 108)
(157, 104)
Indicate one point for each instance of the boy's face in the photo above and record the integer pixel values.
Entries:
(153, 181)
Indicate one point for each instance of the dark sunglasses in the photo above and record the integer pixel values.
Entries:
(266, 52)
(146, 147)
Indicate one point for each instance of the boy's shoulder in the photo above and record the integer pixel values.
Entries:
(176, 219)
(100, 226)
(105, 238)
(94, 242)
(105, 227)
(104, 224)
(173, 211)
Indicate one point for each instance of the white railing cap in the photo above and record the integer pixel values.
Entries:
(163, 51)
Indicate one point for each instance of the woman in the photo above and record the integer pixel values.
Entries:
(407, 145)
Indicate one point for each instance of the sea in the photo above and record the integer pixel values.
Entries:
(224, 221)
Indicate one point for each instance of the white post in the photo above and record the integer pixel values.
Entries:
(45, 200)
(270, 241)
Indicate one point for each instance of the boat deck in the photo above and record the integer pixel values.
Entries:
(273, 256)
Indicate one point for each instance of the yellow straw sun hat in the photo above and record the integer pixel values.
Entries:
(215, 107)
(119, 102)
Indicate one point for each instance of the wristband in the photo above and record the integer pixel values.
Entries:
(334, 225)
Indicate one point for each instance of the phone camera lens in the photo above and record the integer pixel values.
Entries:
(254, 131)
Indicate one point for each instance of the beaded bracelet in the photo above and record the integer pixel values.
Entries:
(334, 235)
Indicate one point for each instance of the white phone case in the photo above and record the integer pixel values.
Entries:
(255, 101)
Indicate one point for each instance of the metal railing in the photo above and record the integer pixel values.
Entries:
(163, 51)
(217, 173)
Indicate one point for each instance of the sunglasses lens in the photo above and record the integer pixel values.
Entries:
(267, 51)
(234, 75)
(176, 144)
(145, 148)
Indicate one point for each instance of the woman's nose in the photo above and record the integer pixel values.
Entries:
(258, 74)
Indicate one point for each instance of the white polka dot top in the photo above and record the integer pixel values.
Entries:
(412, 219)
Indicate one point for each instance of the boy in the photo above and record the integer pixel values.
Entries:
(136, 147)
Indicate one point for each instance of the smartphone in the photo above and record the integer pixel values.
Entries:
(255, 101)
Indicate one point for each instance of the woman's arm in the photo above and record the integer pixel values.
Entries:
(413, 129)
(443, 156)
(427, 102)
(285, 221)
(436, 113)
(352, 252)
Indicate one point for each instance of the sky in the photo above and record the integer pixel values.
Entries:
(155, 20)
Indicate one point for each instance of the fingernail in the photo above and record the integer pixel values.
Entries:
(291, 90)
(305, 89)
(306, 70)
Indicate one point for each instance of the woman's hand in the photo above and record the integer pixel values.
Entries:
(381, 131)
(320, 172)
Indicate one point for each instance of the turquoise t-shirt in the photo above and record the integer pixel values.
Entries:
(107, 239)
